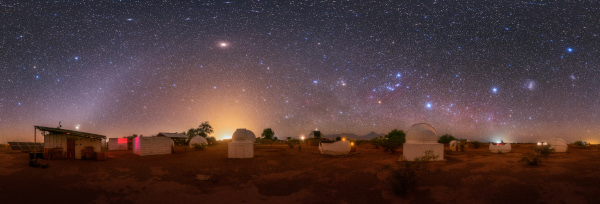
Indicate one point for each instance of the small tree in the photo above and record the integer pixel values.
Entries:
(579, 144)
(544, 150)
(447, 138)
(268, 134)
(409, 173)
(338, 138)
(203, 130)
(393, 140)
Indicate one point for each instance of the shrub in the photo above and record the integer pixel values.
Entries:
(199, 146)
(476, 144)
(377, 142)
(579, 144)
(393, 140)
(531, 159)
(409, 173)
(447, 138)
(544, 150)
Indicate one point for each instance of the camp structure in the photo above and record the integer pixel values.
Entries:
(341, 147)
(242, 144)
(558, 144)
(500, 147)
(198, 140)
(420, 138)
(117, 144)
(70, 143)
(453, 145)
(144, 146)
(315, 138)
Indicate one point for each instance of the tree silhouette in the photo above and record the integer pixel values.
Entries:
(268, 134)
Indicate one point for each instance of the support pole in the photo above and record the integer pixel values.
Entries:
(34, 143)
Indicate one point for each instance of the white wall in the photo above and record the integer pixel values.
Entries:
(117, 143)
(152, 145)
(240, 150)
(54, 141)
(81, 143)
(412, 151)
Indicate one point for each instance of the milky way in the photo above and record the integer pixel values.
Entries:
(485, 70)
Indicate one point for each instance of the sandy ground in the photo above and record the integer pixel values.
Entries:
(279, 174)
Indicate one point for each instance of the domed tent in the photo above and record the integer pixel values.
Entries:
(453, 145)
(500, 147)
(558, 144)
(198, 140)
(341, 147)
(422, 137)
(242, 144)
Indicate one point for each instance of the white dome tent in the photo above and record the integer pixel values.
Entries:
(341, 147)
(198, 140)
(422, 137)
(500, 147)
(453, 145)
(242, 144)
(558, 144)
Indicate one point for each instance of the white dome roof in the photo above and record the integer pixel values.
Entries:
(243, 135)
(198, 140)
(421, 133)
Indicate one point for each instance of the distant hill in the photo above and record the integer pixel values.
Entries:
(353, 136)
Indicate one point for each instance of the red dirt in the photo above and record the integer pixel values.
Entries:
(278, 174)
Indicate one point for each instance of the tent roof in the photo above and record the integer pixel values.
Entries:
(70, 132)
(172, 135)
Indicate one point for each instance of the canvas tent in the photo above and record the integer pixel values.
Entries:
(500, 147)
(198, 140)
(341, 147)
(453, 145)
(242, 144)
(117, 144)
(73, 144)
(144, 146)
(558, 144)
(422, 137)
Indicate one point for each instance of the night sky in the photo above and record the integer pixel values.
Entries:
(485, 70)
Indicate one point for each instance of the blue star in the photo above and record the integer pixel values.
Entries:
(315, 82)
(495, 90)
(76, 58)
(428, 105)
(569, 49)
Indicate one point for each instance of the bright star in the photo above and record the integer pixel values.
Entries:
(569, 49)
(223, 44)
(428, 105)
(495, 90)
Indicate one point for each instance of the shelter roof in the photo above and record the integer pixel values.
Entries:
(70, 132)
(172, 135)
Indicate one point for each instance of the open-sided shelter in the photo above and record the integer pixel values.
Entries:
(71, 142)
(420, 138)
(558, 144)
(242, 144)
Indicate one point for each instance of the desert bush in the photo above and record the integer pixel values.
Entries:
(377, 142)
(199, 146)
(393, 140)
(544, 150)
(476, 144)
(409, 173)
(211, 140)
(447, 138)
(579, 144)
(531, 159)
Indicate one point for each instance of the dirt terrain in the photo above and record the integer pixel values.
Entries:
(278, 174)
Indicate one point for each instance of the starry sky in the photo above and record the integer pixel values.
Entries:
(521, 71)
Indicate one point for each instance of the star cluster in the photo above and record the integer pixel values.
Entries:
(483, 70)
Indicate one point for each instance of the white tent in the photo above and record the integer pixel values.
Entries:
(421, 137)
(242, 144)
(500, 147)
(152, 145)
(198, 140)
(454, 145)
(117, 144)
(341, 147)
(558, 144)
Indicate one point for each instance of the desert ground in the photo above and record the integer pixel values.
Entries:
(278, 174)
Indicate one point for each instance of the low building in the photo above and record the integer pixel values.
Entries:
(74, 144)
